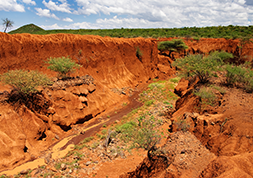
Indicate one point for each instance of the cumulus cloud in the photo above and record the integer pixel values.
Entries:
(154, 13)
(173, 13)
(67, 19)
(54, 26)
(11, 5)
(55, 6)
(29, 2)
(45, 13)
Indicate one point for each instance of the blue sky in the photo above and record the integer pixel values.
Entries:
(108, 14)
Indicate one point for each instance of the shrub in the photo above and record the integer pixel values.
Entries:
(63, 65)
(141, 135)
(25, 82)
(207, 96)
(149, 103)
(236, 75)
(138, 53)
(204, 67)
(181, 124)
(175, 45)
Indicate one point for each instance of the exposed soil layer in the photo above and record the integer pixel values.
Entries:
(224, 131)
(111, 73)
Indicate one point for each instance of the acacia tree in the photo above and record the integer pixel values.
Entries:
(175, 45)
(7, 24)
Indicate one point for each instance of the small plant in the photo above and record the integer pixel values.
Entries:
(149, 103)
(63, 65)
(124, 104)
(82, 144)
(139, 53)
(94, 145)
(207, 96)
(104, 131)
(182, 124)
(175, 80)
(58, 166)
(25, 82)
(100, 136)
(219, 89)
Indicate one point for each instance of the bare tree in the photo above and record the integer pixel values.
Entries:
(7, 24)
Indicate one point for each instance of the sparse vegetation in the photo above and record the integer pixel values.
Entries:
(206, 95)
(141, 135)
(63, 65)
(239, 76)
(139, 53)
(203, 67)
(25, 82)
(181, 124)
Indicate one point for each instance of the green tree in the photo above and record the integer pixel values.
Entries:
(201, 66)
(63, 65)
(7, 24)
(175, 45)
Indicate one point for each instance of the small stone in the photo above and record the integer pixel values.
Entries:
(37, 171)
(57, 137)
(183, 151)
(88, 163)
(115, 155)
(24, 172)
(63, 166)
(75, 164)
(76, 157)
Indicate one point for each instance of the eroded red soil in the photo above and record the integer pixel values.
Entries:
(116, 75)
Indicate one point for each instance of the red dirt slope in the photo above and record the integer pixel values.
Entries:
(111, 62)
(114, 66)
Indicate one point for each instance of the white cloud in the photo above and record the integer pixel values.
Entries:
(11, 5)
(54, 26)
(154, 13)
(55, 6)
(29, 2)
(67, 19)
(173, 13)
(45, 13)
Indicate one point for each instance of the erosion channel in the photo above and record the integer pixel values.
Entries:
(102, 91)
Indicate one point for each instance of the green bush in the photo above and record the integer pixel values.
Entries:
(204, 67)
(138, 53)
(141, 135)
(25, 82)
(63, 65)
(239, 75)
(234, 74)
(207, 96)
(175, 45)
